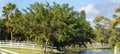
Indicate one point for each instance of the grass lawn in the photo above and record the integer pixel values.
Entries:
(4, 52)
(29, 51)
(25, 51)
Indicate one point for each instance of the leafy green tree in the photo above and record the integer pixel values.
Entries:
(16, 23)
(55, 25)
(83, 14)
(101, 31)
(115, 37)
(7, 13)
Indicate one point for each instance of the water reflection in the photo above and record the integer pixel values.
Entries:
(97, 51)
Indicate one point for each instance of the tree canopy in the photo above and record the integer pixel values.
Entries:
(46, 24)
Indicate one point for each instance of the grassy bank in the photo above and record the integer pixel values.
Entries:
(78, 49)
(99, 47)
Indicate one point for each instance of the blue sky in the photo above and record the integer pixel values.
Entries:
(92, 7)
(25, 3)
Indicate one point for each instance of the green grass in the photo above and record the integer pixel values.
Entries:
(29, 51)
(25, 51)
(76, 49)
(4, 52)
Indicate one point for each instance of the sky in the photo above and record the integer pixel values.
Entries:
(92, 7)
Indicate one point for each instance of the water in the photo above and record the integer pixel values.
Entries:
(97, 51)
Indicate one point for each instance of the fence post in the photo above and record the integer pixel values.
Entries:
(22, 45)
(33, 46)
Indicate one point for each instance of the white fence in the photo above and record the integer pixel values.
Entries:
(19, 44)
(26, 45)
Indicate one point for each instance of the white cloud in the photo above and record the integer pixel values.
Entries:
(90, 20)
(105, 8)
(90, 9)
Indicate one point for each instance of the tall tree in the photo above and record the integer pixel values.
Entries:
(57, 25)
(101, 29)
(8, 14)
(83, 14)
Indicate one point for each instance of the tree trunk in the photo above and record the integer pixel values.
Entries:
(0, 31)
(48, 34)
(45, 49)
(11, 44)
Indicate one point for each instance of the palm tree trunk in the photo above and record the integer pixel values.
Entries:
(11, 44)
(0, 31)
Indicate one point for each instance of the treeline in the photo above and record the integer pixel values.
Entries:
(46, 24)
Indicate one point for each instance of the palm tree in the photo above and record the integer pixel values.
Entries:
(8, 14)
(116, 20)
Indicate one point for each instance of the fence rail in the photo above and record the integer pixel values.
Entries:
(26, 45)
